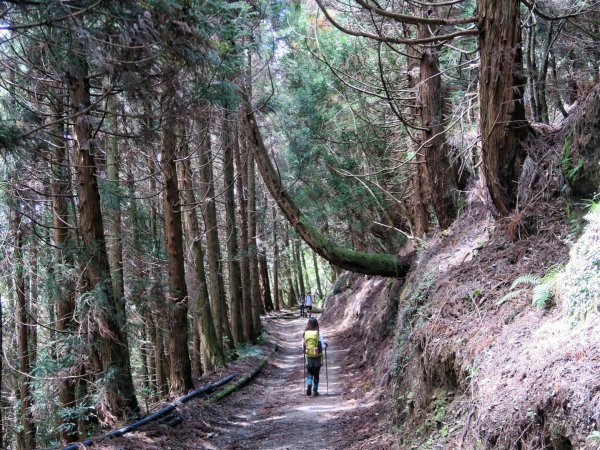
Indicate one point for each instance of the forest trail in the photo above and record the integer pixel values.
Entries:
(274, 412)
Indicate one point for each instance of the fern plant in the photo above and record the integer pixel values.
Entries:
(543, 287)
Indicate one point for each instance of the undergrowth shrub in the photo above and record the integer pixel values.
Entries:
(542, 287)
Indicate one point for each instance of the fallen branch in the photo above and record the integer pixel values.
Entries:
(242, 381)
(207, 388)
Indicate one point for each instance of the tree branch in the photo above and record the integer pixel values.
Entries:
(414, 20)
(393, 40)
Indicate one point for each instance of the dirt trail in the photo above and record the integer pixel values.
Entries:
(274, 412)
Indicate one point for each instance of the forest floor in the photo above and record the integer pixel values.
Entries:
(273, 411)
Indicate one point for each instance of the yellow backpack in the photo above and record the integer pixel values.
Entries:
(312, 344)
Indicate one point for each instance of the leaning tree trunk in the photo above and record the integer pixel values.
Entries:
(117, 399)
(180, 373)
(502, 112)
(366, 263)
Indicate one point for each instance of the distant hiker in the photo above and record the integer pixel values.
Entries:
(313, 345)
(308, 301)
(302, 306)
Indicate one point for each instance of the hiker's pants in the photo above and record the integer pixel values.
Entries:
(313, 367)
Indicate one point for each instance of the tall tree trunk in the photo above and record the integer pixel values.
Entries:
(211, 226)
(150, 332)
(543, 72)
(441, 177)
(305, 270)
(145, 358)
(157, 367)
(230, 141)
(263, 266)
(298, 266)
(65, 290)
(118, 394)
(276, 263)
(418, 178)
(530, 57)
(114, 233)
(501, 84)
(180, 370)
(26, 433)
(155, 308)
(317, 276)
(293, 296)
(32, 305)
(256, 302)
(240, 160)
(294, 290)
(206, 326)
(265, 286)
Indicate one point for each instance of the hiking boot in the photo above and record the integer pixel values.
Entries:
(309, 389)
(315, 394)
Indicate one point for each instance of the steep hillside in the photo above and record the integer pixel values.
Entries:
(469, 361)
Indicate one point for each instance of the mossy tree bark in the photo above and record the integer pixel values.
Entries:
(361, 262)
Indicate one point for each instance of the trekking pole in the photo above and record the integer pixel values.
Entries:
(304, 369)
(326, 374)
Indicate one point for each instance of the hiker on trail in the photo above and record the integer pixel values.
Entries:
(313, 345)
(302, 306)
(308, 301)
